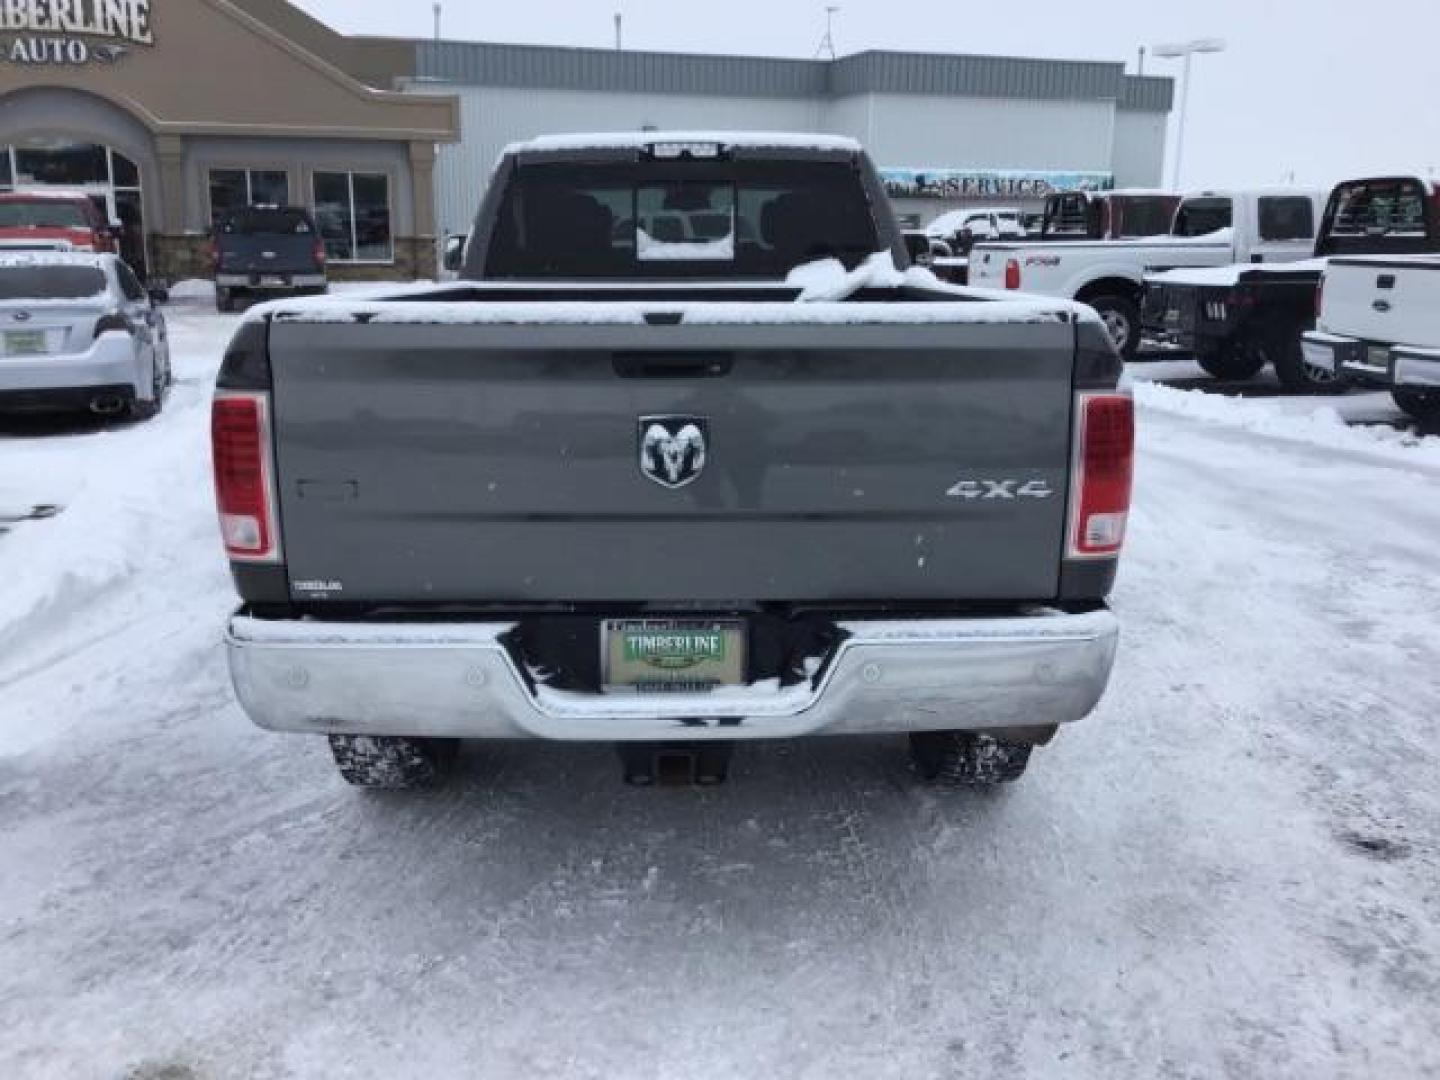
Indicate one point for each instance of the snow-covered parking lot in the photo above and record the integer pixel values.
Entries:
(1231, 870)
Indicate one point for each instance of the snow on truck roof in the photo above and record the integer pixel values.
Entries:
(1257, 192)
(57, 194)
(640, 140)
(23, 259)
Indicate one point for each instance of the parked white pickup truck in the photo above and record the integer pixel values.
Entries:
(1380, 325)
(1213, 228)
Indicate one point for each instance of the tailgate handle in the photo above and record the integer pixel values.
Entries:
(673, 365)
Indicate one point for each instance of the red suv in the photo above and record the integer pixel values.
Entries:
(65, 221)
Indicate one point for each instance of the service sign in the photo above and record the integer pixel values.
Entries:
(989, 183)
(72, 32)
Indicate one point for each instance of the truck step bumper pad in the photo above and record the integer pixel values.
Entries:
(460, 681)
(1329, 352)
(1417, 367)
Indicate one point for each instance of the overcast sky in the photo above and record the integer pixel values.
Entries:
(1323, 89)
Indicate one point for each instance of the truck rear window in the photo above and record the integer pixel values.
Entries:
(736, 219)
(50, 282)
(1070, 215)
(268, 223)
(42, 214)
(1201, 217)
(1377, 217)
(1286, 217)
(1143, 216)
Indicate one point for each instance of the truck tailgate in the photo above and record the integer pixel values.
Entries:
(503, 463)
(1384, 300)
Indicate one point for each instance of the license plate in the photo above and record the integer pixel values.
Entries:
(1377, 356)
(672, 655)
(26, 342)
(1172, 315)
(272, 279)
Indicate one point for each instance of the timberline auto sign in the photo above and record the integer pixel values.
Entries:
(988, 183)
(73, 31)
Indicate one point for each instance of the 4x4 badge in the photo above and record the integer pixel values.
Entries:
(673, 449)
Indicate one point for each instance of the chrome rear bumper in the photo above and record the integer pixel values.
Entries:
(459, 680)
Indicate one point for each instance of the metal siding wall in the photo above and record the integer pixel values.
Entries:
(608, 70)
(975, 76)
(996, 133)
(943, 111)
(604, 70)
(1139, 152)
(1148, 93)
(492, 118)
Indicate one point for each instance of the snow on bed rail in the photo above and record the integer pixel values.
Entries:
(709, 313)
(817, 293)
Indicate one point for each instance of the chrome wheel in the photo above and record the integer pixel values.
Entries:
(1118, 326)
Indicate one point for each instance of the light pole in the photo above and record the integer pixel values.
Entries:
(1187, 49)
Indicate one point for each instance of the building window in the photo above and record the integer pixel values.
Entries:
(353, 212)
(7, 170)
(235, 189)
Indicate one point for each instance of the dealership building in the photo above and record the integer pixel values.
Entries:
(172, 112)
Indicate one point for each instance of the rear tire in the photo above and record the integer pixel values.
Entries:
(1423, 405)
(1121, 316)
(1286, 352)
(159, 385)
(1231, 363)
(390, 762)
(967, 758)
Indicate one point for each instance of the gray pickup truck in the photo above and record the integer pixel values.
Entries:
(636, 479)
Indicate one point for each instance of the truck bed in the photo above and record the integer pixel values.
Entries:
(483, 444)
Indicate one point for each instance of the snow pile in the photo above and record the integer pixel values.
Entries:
(193, 289)
(1322, 427)
(136, 501)
(827, 279)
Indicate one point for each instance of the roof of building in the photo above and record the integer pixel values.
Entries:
(621, 71)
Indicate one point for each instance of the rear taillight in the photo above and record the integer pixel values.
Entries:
(213, 254)
(113, 321)
(1012, 274)
(245, 476)
(319, 252)
(1104, 473)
